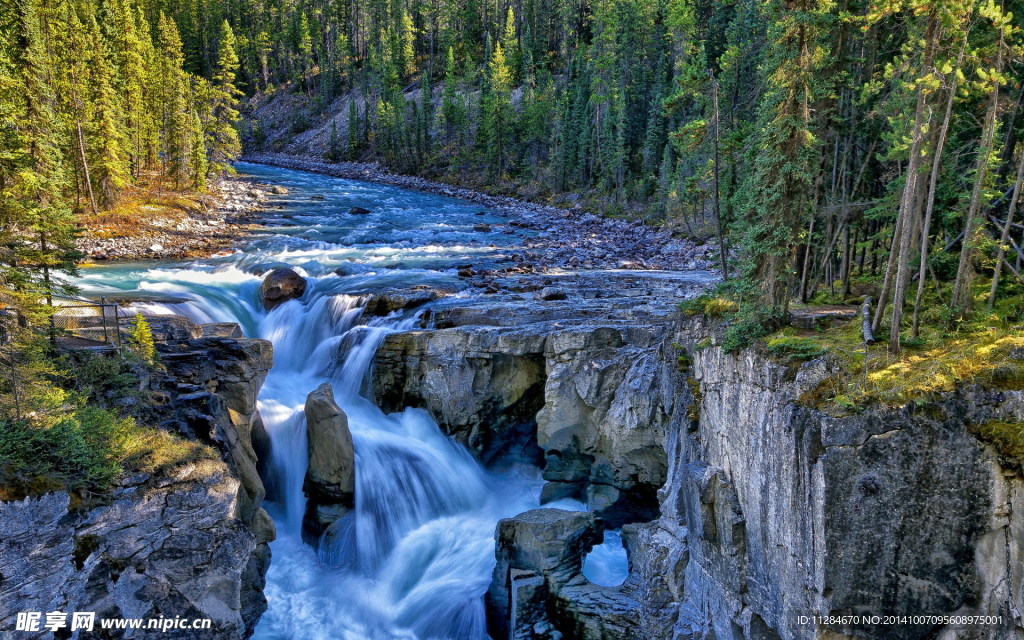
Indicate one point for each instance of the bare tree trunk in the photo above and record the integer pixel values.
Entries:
(932, 186)
(718, 210)
(804, 272)
(85, 168)
(1005, 236)
(890, 269)
(965, 269)
(911, 197)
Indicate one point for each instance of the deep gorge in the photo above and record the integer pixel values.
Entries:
(740, 508)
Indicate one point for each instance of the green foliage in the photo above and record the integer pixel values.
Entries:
(101, 380)
(1007, 437)
(744, 330)
(87, 450)
(140, 340)
(80, 451)
(794, 348)
(708, 304)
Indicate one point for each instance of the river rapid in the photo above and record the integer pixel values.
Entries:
(415, 556)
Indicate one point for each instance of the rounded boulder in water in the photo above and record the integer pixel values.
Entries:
(280, 286)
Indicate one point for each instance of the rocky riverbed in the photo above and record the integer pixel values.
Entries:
(560, 239)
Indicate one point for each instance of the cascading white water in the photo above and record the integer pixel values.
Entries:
(414, 557)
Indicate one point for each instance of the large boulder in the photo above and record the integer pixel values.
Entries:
(281, 285)
(330, 478)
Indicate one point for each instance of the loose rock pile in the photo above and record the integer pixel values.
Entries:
(230, 211)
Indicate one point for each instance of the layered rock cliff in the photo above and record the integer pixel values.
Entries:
(581, 383)
(192, 542)
(745, 513)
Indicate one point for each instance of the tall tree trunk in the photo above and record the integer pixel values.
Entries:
(911, 194)
(718, 209)
(85, 168)
(961, 301)
(940, 145)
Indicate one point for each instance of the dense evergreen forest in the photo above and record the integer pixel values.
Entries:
(96, 109)
(823, 141)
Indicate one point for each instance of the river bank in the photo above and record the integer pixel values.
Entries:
(563, 238)
(179, 226)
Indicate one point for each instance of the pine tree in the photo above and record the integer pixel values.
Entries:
(36, 190)
(129, 54)
(779, 189)
(497, 114)
(352, 135)
(334, 145)
(406, 34)
(107, 138)
(510, 45)
(451, 117)
(222, 135)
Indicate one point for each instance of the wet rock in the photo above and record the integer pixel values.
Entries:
(482, 228)
(483, 388)
(537, 590)
(359, 211)
(553, 293)
(330, 478)
(264, 267)
(221, 330)
(277, 190)
(551, 543)
(281, 285)
(382, 304)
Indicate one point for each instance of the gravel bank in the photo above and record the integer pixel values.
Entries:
(232, 209)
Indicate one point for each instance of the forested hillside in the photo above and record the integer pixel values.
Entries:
(827, 140)
(97, 111)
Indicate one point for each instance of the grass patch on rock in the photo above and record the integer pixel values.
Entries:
(87, 450)
(1006, 437)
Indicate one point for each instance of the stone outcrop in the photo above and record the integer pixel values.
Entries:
(583, 384)
(330, 480)
(538, 591)
(382, 304)
(192, 542)
(211, 387)
(790, 512)
(157, 548)
(280, 285)
(748, 508)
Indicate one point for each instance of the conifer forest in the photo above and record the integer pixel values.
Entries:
(736, 284)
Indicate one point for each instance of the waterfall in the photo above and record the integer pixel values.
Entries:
(414, 557)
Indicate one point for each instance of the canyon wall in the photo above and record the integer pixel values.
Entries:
(745, 514)
(191, 542)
